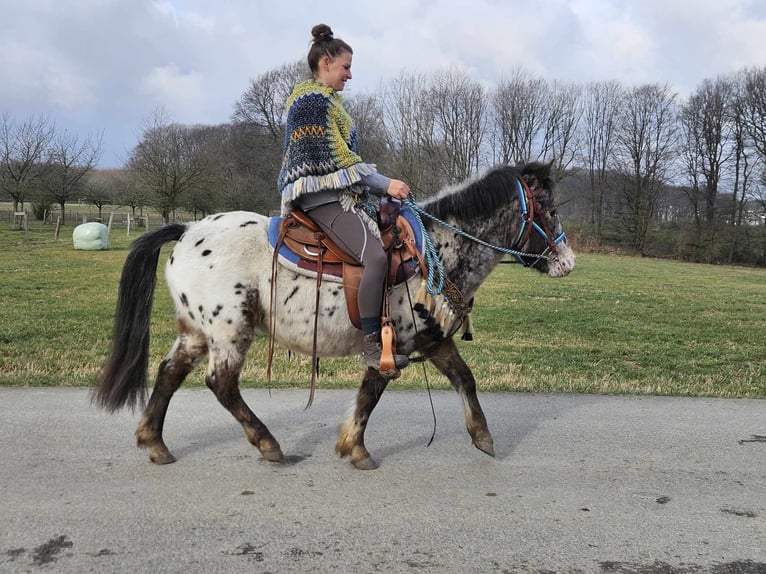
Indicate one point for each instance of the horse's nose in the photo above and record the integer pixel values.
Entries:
(564, 263)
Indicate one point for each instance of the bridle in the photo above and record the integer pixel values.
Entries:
(530, 208)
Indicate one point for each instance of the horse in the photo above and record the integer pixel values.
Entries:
(219, 276)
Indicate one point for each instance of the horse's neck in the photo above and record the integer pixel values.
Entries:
(467, 263)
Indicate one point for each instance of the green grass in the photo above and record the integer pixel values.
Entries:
(616, 325)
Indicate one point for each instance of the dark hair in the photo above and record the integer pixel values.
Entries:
(325, 44)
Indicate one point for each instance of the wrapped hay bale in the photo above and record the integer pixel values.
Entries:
(91, 236)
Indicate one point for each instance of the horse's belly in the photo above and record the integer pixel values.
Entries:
(296, 301)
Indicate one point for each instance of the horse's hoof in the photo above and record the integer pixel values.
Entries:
(486, 446)
(366, 463)
(273, 455)
(163, 457)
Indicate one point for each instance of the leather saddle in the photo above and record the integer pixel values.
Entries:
(312, 251)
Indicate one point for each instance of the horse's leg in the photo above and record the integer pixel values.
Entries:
(448, 362)
(351, 437)
(186, 354)
(223, 379)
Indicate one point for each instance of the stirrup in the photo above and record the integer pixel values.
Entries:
(390, 363)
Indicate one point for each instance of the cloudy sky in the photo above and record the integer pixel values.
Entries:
(104, 66)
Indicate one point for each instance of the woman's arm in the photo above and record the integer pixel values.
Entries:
(377, 182)
(380, 184)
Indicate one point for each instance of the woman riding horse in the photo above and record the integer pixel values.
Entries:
(323, 175)
(218, 274)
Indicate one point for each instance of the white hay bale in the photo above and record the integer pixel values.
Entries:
(92, 236)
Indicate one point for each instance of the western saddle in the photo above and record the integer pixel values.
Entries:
(322, 255)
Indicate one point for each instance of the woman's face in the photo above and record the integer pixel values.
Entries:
(335, 72)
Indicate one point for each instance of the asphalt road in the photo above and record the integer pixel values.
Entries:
(580, 484)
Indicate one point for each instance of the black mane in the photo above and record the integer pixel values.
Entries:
(491, 191)
(476, 198)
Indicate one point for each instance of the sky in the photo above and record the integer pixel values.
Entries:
(104, 67)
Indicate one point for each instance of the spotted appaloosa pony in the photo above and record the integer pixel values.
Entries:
(219, 275)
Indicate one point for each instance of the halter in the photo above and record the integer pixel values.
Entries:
(528, 203)
(527, 200)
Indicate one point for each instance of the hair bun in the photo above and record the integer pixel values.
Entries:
(321, 33)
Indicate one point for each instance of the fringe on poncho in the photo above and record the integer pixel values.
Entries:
(321, 150)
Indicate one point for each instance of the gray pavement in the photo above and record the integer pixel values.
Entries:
(580, 484)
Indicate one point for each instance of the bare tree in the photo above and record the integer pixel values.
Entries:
(706, 130)
(205, 194)
(753, 108)
(646, 144)
(601, 108)
(518, 109)
(168, 162)
(70, 160)
(753, 116)
(22, 156)
(263, 103)
(367, 114)
(564, 109)
(459, 110)
(745, 160)
(409, 131)
(129, 192)
(254, 144)
(101, 188)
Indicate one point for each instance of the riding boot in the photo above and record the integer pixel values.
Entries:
(371, 351)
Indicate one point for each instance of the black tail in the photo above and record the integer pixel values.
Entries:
(122, 380)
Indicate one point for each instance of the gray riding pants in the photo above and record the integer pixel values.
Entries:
(351, 233)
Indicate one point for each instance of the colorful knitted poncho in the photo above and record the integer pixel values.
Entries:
(321, 150)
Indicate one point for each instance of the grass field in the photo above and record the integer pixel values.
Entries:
(616, 325)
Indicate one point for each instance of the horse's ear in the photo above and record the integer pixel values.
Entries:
(545, 171)
(537, 174)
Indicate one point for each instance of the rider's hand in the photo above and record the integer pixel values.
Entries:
(398, 189)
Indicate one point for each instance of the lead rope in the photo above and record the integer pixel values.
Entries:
(417, 210)
(431, 256)
(415, 324)
(435, 269)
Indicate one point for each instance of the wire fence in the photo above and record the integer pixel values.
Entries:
(76, 217)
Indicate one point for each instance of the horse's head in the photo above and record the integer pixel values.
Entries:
(540, 236)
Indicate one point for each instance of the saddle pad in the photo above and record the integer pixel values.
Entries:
(292, 260)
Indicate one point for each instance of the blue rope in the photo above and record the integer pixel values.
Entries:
(433, 263)
(419, 211)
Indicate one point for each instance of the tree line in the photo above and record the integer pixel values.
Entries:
(639, 167)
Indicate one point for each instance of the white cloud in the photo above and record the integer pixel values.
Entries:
(36, 76)
(175, 90)
(107, 64)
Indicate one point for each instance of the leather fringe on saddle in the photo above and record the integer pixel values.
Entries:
(446, 310)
